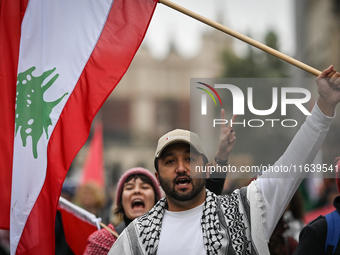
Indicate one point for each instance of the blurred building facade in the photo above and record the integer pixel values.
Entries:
(152, 98)
(318, 32)
(318, 45)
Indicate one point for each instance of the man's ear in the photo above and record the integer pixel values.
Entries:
(157, 177)
(207, 173)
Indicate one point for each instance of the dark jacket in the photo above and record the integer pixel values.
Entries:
(312, 239)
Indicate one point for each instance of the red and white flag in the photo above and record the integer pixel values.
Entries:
(78, 225)
(59, 62)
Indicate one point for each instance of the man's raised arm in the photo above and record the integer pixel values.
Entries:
(277, 188)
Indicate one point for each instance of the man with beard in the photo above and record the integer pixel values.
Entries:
(193, 220)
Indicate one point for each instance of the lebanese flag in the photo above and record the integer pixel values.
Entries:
(59, 62)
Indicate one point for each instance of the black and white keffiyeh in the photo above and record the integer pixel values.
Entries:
(149, 225)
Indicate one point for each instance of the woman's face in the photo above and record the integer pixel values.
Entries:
(138, 197)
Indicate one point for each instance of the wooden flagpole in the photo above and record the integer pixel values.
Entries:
(241, 37)
(109, 229)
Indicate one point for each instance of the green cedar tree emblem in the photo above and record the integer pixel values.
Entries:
(32, 113)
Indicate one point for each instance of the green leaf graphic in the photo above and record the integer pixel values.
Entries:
(32, 113)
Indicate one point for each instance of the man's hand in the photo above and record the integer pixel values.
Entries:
(329, 90)
(227, 139)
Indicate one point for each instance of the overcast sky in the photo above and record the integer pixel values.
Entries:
(251, 17)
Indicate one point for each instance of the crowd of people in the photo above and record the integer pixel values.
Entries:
(181, 211)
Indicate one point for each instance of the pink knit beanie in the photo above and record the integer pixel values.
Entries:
(134, 171)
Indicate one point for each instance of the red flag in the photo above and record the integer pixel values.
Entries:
(78, 225)
(10, 20)
(80, 68)
(94, 167)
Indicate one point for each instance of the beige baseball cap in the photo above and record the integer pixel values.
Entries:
(180, 136)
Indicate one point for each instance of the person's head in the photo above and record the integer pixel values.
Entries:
(91, 197)
(137, 192)
(68, 190)
(179, 158)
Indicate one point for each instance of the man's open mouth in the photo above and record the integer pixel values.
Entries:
(183, 181)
